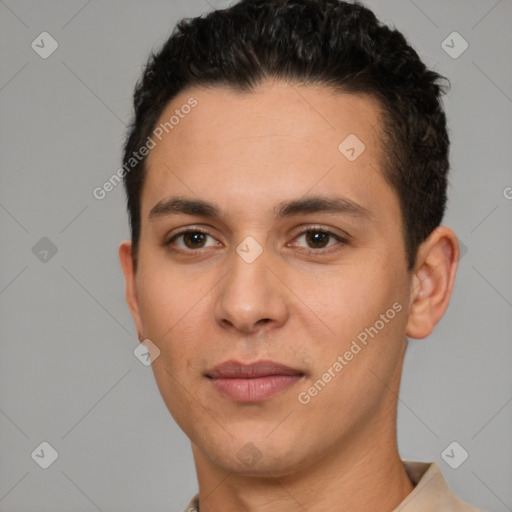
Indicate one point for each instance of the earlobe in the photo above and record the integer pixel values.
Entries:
(432, 283)
(126, 260)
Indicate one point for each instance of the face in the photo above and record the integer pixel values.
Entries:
(276, 288)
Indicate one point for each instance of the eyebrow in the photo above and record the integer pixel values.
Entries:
(285, 209)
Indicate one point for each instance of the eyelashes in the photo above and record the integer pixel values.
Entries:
(318, 240)
(198, 235)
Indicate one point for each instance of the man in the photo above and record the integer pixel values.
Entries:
(286, 180)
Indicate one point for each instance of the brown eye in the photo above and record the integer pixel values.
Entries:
(194, 239)
(191, 240)
(317, 239)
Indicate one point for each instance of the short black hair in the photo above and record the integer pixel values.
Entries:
(334, 43)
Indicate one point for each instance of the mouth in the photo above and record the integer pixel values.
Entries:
(254, 382)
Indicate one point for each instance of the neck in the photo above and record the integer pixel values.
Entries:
(362, 471)
(366, 473)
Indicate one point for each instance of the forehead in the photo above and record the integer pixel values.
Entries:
(280, 139)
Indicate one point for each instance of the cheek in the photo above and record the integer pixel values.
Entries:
(354, 367)
(172, 321)
(176, 314)
(366, 316)
(166, 299)
(348, 299)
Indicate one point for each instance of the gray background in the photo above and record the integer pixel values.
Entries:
(67, 372)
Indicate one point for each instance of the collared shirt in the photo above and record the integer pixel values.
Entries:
(430, 494)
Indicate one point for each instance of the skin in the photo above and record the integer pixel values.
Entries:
(247, 153)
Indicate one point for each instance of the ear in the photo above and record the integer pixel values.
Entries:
(126, 259)
(432, 283)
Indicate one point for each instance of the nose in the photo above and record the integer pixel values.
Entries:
(251, 298)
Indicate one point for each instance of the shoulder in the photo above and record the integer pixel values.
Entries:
(193, 505)
(431, 492)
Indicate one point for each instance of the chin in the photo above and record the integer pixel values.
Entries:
(261, 457)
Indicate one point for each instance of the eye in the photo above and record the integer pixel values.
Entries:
(192, 239)
(317, 240)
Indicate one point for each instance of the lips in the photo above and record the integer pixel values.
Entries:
(254, 382)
